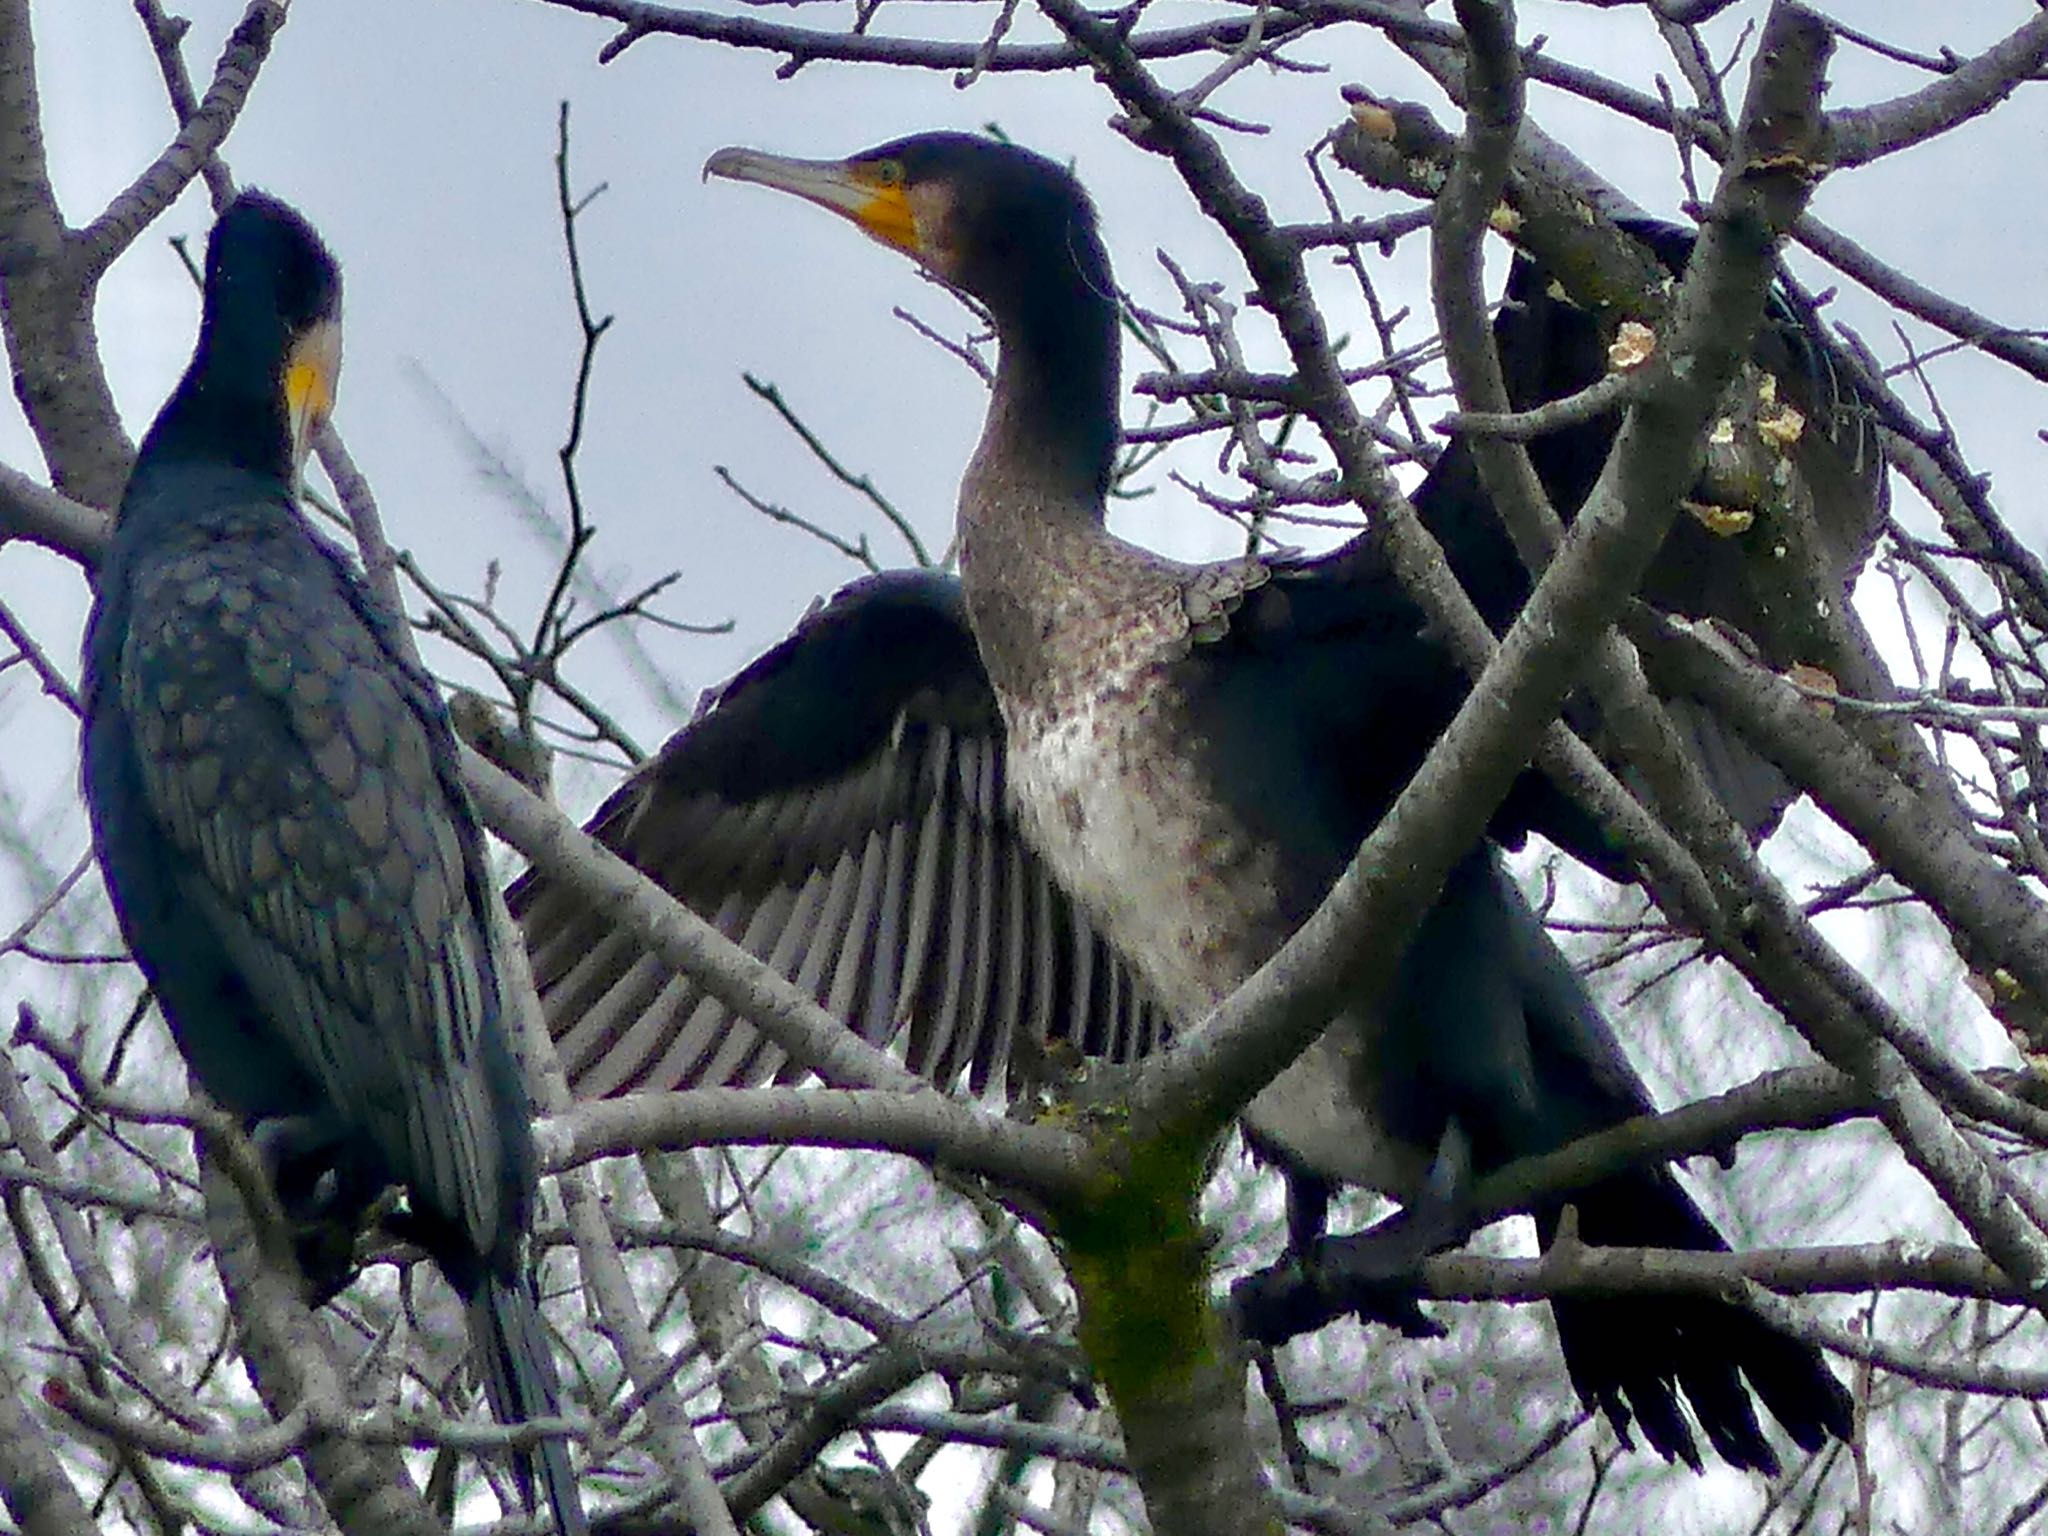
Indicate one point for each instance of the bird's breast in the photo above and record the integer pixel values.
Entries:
(1117, 806)
(1109, 791)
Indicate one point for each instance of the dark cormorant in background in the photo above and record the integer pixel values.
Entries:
(275, 800)
(1183, 759)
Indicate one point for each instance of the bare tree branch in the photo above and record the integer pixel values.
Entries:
(1032, 1161)
(47, 315)
(33, 1483)
(200, 133)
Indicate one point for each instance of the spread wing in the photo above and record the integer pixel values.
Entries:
(838, 810)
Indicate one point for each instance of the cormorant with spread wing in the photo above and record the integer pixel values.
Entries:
(1088, 790)
(276, 803)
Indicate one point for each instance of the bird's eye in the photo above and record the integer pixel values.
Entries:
(888, 173)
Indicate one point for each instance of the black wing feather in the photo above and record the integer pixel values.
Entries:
(839, 810)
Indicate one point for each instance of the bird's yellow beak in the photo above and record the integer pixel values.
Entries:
(870, 193)
(311, 372)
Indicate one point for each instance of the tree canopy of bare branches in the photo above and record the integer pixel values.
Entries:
(857, 1302)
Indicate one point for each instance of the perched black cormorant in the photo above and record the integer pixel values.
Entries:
(1181, 760)
(276, 804)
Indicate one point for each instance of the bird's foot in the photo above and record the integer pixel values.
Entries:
(325, 1207)
(1373, 1275)
(1376, 1275)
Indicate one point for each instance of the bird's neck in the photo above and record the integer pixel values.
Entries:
(1047, 585)
(224, 414)
(1052, 419)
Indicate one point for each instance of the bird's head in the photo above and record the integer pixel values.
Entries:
(273, 313)
(996, 221)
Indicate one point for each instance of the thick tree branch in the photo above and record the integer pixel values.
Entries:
(1946, 1269)
(2010, 344)
(1463, 212)
(256, 1450)
(199, 136)
(32, 511)
(167, 42)
(1972, 88)
(1036, 1161)
(1969, 890)
(669, 1433)
(46, 295)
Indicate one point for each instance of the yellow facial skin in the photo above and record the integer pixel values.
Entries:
(871, 194)
(312, 371)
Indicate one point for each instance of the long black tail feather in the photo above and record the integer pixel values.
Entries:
(511, 1345)
(1632, 1358)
